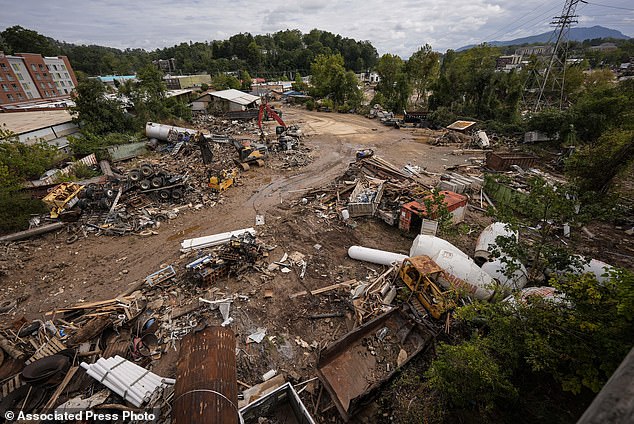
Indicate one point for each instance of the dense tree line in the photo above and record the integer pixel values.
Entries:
(271, 55)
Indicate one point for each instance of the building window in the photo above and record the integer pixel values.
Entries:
(3, 65)
(20, 96)
(48, 67)
(58, 75)
(29, 95)
(10, 96)
(41, 66)
(26, 86)
(19, 75)
(66, 75)
(50, 85)
(10, 77)
(42, 85)
(15, 87)
(65, 91)
(38, 77)
(63, 67)
(15, 66)
(5, 87)
(44, 74)
(1, 78)
(62, 83)
(33, 66)
(55, 67)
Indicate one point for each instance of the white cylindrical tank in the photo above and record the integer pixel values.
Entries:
(160, 131)
(464, 273)
(496, 268)
(374, 256)
(430, 246)
(486, 242)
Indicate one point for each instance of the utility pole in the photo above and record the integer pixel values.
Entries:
(557, 62)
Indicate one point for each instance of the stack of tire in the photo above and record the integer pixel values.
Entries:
(147, 178)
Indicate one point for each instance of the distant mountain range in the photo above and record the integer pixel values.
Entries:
(575, 34)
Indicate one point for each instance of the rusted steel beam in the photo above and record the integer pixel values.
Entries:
(206, 389)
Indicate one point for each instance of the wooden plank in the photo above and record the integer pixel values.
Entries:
(326, 289)
(69, 375)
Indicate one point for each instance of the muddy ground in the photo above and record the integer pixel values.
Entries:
(46, 273)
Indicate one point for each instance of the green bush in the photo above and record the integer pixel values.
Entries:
(310, 104)
(442, 117)
(327, 103)
(16, 209)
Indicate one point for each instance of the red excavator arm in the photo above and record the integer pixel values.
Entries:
(271, 113)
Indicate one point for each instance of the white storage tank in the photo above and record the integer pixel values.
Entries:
(426, 245)
(464, 273)
(487, 240)
(496, 268)
(160, 131)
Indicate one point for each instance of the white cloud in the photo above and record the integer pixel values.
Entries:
(397, 26)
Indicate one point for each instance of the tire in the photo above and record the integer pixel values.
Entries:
(134, 175)
(177, 194)
(164, 194)
(145, 184)
(157, 182)
(147, 170)
(110, 193)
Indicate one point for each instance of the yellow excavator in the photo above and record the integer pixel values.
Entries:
(421, 275)
(62, 197)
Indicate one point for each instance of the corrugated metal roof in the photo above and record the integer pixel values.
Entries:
(235, 96)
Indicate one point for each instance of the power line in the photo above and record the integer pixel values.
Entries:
(501, 31)
(611, 7)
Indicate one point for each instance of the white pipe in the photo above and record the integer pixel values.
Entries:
(496, 269)
(121, 391)
(375, 256)
(130, 377)
(157, 377)
(121, 381)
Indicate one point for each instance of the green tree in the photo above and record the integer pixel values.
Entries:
(394, 84)
(246, 80)
(147, 94)
(299, 85)
(423, 68)
(22, 40)
(330, 79)
(225, 81)
(95, 112)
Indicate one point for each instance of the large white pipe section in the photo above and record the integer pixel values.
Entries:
(464, 273)
(160, 131)
(375, 256)
(487, 240)
(213, 240)
(430, 246)
(496, 268)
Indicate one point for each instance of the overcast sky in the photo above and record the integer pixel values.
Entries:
(393, 26)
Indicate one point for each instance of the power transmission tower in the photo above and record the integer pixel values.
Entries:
(551, 82)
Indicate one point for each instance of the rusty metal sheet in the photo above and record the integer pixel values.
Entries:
(349, 370)
(461, 125)
(206, 389)
(425, 265)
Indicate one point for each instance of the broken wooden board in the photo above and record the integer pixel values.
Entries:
(345, 284)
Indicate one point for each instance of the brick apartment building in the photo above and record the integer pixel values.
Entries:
(29, 76)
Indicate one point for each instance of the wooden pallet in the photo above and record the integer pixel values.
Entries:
(8, 387)
(47, 349)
